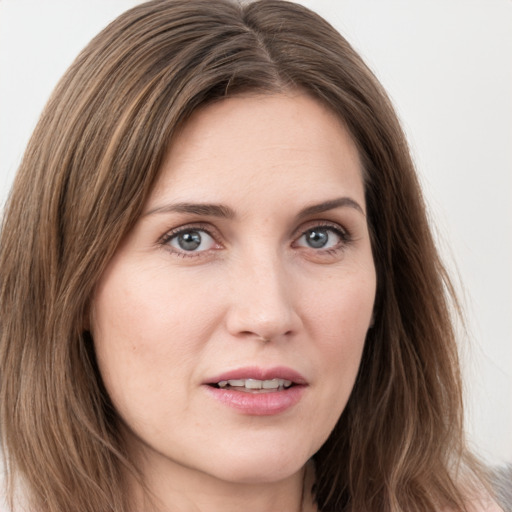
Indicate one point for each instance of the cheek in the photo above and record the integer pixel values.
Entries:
(341, 312)
(136, 309)
(340, 319)
(145, 335)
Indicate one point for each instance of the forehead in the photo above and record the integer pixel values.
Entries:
(257, 144)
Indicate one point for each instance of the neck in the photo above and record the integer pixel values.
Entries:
(186, 490)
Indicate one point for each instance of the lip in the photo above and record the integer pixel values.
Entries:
(255, 372)
(258, 404)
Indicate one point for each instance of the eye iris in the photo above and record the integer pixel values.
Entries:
(189, 241)
(317, 238)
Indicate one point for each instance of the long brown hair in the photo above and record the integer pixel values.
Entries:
(87, 172)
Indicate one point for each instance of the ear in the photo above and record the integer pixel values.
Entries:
(86, 318)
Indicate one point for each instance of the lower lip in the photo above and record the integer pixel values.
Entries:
(258, 404)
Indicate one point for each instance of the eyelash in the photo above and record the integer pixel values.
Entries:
(165, 239)
(342, 233)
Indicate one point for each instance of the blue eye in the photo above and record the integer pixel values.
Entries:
(320, 238)
(191, 240)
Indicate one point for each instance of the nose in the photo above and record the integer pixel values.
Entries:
(262, 303)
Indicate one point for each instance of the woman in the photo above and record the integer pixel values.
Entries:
(219, 290)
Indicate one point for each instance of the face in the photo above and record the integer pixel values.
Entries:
(230, 324)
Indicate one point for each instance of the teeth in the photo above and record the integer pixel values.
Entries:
(236, 382)
(255, 383)
(270, 384)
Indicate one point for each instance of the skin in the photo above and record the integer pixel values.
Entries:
(254, 293)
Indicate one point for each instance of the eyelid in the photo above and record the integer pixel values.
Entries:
(323, 254)
(164, 240)
(324, 224)
(211, 231)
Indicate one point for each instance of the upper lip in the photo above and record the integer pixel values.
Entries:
(255, 372)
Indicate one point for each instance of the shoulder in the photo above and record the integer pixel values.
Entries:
(501, 481)
(487, 505)
(497, 495)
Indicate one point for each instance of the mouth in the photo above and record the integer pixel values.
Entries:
(254, 385)
(256, 391)
(253, 379)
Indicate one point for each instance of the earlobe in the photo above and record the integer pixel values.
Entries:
(86, 318)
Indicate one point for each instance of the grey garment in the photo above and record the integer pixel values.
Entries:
(502, 482)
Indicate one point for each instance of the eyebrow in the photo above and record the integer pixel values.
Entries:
(225, 212)
(330, 205)
(205, 209)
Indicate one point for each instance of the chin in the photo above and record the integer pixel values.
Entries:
(251, 473)
(260, 465)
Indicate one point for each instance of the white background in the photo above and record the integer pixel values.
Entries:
(447, 65)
